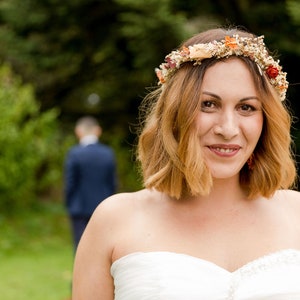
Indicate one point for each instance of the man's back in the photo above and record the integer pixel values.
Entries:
(90, 177)
(90, 174)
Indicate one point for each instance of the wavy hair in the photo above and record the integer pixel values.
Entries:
(169, 151)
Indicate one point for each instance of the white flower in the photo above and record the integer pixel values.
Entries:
(199, 52)
(253, 48)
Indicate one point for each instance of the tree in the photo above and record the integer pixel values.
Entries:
(70, 50)
(293, 7)
(30, 148)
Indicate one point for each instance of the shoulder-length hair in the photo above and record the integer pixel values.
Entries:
(169, 151)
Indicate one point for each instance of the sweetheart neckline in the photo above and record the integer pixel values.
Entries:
(251, 263)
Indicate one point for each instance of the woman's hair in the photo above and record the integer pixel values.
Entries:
(169, 150)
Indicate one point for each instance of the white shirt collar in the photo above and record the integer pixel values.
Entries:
(88, 139)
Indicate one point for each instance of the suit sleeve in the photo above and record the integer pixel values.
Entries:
(114, 180)
(71, 176)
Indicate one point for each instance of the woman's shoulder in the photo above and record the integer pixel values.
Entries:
(289, 195)
(126, 203)
(289, 199)
(121, 215)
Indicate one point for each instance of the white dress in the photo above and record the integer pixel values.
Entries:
(173, 276)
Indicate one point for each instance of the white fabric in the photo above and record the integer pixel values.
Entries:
(88, 140)
(173, 276)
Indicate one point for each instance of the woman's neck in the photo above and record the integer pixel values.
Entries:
(224, 193)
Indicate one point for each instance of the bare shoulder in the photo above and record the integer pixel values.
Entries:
(117, 213)
(109, 227)
(123, 203)
(291, 197)
(289, 201)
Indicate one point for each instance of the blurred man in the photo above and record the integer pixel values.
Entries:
(90, 175)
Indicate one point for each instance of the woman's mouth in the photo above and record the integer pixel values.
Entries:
(224, 149)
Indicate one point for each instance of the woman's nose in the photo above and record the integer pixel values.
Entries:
(227, 126)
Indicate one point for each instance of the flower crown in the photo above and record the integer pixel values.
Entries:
(254, 48)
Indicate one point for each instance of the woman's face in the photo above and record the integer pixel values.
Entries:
(230, 120)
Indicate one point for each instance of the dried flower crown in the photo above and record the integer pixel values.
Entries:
(254, 48)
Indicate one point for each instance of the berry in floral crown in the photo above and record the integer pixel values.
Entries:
(253, 48)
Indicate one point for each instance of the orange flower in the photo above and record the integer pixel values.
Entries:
(282, 87)
(185, 51)
(230, 42)
(159, 75)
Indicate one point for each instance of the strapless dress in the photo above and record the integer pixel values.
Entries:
(173, 276)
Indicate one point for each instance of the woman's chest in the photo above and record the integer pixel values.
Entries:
(228, 240)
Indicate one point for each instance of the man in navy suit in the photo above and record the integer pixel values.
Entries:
(90, 175)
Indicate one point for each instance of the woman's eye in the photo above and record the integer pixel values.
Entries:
(247, 108)
(206, 105)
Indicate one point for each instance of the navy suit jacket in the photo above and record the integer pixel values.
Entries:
(90, 177)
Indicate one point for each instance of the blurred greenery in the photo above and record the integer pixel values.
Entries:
(293, 7)
(75, 57)
(30, 159)
(36, 254)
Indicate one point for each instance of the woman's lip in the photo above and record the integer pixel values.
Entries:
(225, 150)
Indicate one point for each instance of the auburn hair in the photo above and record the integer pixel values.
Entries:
(169, 151)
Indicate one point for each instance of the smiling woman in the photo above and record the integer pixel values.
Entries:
(217, 218)
(230, 120)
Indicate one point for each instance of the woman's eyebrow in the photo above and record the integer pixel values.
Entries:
(211, 94)
(218, 97)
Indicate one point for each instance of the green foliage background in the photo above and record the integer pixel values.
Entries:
(56, 54)
(30, 152)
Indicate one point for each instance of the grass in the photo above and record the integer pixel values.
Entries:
(36, 255)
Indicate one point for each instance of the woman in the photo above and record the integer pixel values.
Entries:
(216, 219)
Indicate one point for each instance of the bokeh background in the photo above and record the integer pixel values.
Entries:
(60, 60)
